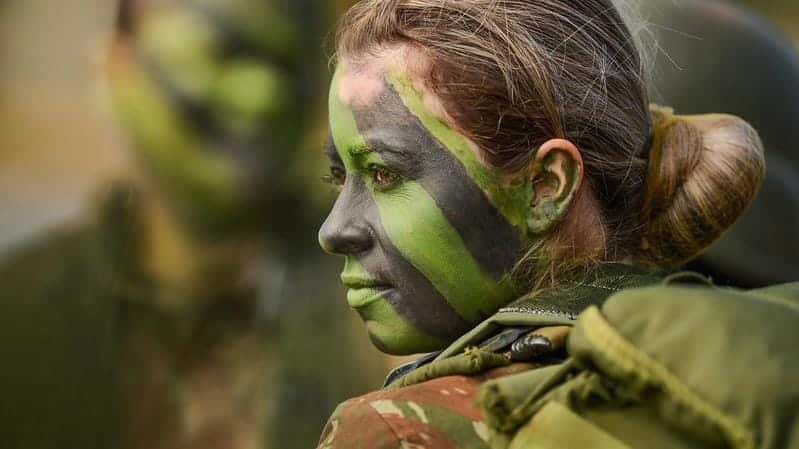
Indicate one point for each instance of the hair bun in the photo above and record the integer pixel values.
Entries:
(704, 171)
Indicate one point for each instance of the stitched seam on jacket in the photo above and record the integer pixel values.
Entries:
(627, 358)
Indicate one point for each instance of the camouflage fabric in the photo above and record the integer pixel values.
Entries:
(440, 413)
(661, 365)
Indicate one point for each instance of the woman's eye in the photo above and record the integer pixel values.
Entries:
(336, 177)
(383, 177)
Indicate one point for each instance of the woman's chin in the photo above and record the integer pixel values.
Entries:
(391, 334)
(399, 343)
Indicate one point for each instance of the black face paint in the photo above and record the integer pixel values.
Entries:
(404, 143)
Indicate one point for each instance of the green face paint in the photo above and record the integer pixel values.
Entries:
(430, 234)
(389, 331)
(512, 196)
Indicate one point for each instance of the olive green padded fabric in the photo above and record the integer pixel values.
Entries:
(667, 366)
(719, 364)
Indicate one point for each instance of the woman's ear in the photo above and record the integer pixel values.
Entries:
(556, 175)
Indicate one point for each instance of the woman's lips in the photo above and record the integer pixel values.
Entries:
(363, 290)
(359, 298)
(359, 281)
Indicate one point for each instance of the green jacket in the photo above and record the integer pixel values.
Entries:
(649, 363)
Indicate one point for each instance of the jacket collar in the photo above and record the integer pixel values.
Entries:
(556, 306)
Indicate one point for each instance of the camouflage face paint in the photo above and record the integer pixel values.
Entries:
(429, 233)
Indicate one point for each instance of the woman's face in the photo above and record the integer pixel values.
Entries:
(429, 233)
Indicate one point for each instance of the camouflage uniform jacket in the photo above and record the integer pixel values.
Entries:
(649, 363)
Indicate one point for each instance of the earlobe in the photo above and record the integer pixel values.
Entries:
(555, 177)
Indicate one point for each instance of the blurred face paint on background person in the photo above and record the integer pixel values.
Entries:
(429, 233)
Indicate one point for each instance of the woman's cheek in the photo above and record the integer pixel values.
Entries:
(393, 334)
(419, 230)
(415, 224)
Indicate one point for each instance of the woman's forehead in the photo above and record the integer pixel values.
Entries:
(368, 89)
(360, 81)
(388, 91)
(358, 89)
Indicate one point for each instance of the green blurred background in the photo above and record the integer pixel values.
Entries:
(160, 284)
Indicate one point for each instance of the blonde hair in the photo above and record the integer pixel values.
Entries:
(513, 74)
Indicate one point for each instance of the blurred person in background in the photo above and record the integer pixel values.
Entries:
(191, 302)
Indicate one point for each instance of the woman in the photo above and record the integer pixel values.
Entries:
(501, 173)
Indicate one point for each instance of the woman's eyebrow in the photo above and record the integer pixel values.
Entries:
(359, 150)
(380, 147)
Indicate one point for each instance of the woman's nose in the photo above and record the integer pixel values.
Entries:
(345, 230)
